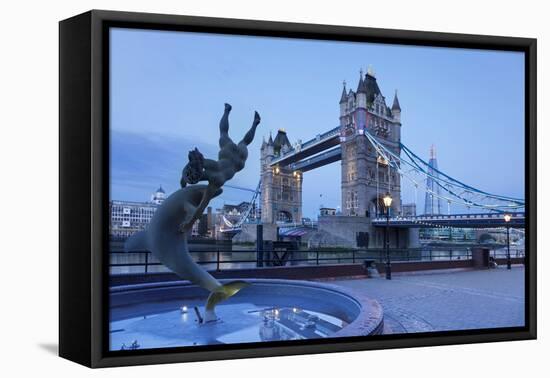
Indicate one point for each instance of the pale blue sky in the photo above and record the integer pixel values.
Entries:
(168, 90)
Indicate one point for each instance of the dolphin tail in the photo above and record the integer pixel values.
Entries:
(137, 242)
(224, 292)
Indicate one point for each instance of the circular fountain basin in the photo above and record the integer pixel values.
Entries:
(169, 314)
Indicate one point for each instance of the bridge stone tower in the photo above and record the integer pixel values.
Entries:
(366, 176)
(281, 188)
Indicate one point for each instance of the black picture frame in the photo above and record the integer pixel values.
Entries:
(84, 194)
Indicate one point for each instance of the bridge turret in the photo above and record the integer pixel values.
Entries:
(267, 149)
(281, 189)
(343, 104)
(396, 108)
(361, 105)
(281, 144)
(344, 96)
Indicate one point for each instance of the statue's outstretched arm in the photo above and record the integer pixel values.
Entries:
(224, 127)
(249, 136)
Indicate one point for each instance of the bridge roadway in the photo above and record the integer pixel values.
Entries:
(484, 220)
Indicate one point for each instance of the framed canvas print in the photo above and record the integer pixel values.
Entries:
(235, 188)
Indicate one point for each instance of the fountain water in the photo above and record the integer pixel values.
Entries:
(267, 310)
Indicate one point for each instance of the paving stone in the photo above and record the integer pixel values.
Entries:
(457, 300)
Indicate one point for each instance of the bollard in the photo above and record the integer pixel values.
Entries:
(146, 261)
(259, 246)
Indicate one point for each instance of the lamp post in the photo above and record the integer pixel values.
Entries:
(507, 218)
(387, 204)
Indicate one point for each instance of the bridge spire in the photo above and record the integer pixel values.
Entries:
(344, 96)
(361, 82)
(396, 105)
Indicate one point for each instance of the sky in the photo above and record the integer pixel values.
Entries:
(167, 92)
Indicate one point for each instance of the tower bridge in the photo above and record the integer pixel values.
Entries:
(374, 163)
(365, 175)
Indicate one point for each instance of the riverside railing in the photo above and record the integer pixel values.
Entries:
(145, 262)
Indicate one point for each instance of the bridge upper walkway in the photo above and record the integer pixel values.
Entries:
(313, 146)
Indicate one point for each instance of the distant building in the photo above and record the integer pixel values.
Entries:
(324, 211)
(127, 217)
(204, 226)
(409, 210)
(159, 196)
(432, 201)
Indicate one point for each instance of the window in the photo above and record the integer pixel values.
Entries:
(284, 216)
(352, 172)
(352, 202)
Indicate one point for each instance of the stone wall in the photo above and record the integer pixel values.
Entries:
(343, 231)
(248, 233)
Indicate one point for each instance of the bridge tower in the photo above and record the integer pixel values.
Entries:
(366, 176)
(281, 188)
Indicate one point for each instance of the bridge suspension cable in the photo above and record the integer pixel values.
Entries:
(416, 170)
(245, 214)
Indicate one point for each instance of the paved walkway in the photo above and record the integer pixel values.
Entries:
(444, 301)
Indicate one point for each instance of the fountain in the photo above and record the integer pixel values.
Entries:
(266, 310)
(179, 313)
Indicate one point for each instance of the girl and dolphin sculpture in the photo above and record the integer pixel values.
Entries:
(167, 233)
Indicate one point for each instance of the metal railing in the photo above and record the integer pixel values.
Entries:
(126, 262)
(517, 217)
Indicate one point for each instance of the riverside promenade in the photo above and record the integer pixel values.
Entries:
(448, 300)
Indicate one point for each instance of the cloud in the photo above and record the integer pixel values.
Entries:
(140, 163)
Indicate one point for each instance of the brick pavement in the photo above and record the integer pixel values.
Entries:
(445, 301)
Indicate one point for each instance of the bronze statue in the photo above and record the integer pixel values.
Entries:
(231, 159)
(167, 233)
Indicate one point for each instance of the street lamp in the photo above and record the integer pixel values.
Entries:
(387, 204)
(507, 219)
